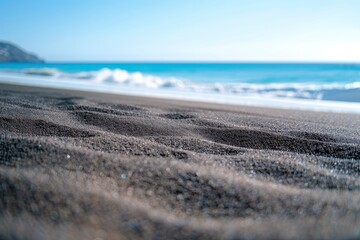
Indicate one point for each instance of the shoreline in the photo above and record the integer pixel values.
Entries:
(210, 98)
(151, 100)
(79, 165)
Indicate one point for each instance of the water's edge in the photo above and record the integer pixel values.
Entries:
(319, 87)
(256, 101)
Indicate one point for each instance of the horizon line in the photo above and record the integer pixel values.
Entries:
(192, 62)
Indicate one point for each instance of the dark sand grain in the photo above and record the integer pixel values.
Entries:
(78, 165)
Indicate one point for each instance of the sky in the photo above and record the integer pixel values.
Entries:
(185, 30)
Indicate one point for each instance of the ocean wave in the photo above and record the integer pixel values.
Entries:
(116, 76)
(120, 77)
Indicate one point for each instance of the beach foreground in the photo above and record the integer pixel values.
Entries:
(80, 165)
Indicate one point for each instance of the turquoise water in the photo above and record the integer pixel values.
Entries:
(229, 82)
(220, 73)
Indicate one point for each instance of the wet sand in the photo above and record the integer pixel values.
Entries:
(81, 165)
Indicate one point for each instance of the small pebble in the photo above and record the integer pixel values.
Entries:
(123, 176)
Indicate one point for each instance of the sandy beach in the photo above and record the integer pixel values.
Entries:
(82, 165)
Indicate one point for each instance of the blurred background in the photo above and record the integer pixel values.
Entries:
(293, 54)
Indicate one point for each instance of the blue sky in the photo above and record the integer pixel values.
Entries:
(184, 30)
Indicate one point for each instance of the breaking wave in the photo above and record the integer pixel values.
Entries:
(117, 76)
(123, 78)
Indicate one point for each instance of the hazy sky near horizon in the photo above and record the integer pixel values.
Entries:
(184, 30)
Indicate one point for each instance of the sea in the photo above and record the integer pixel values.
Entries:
(309, 86)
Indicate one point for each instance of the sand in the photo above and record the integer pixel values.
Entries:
(80, 165)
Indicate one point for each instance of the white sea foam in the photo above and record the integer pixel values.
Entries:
(119, 78)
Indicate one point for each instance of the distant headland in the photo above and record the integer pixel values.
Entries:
(9, 52)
